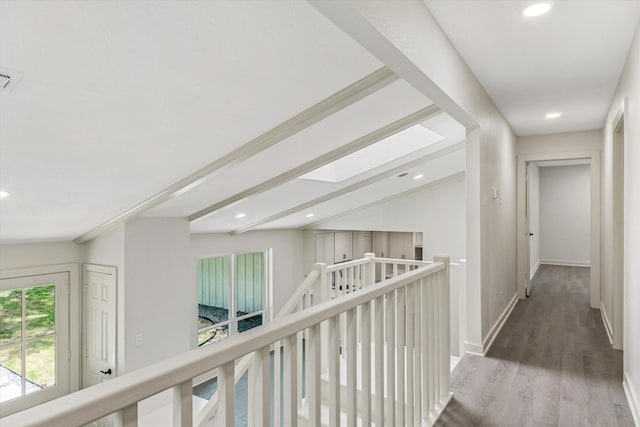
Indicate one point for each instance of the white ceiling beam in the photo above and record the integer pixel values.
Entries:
(352, 147)
(361, 21)
(336, 102)
(356, 186)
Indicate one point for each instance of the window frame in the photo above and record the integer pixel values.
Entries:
(232, 318)
(74, 324)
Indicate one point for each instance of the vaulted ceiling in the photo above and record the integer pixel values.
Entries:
(217, 111)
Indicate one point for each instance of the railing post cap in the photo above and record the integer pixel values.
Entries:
(319, 265)
(369, 255)
(442, 258)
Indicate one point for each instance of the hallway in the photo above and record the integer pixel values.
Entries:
(551, 365)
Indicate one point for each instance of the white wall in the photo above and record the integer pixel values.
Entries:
(20, 255)
(156, 288)
(160, 290)
(288, 271)
(629, 89)
(437, 211)
(565, 215)
(534, 219)
(560, 143)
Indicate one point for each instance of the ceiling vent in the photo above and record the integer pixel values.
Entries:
(4, 81)
(8, 80)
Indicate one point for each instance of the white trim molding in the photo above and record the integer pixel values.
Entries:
(607, 323)
(534, 270)
(497, 327)
(73, 270)
(565, 263)
(482, 350)
(595, 183)
(471, 348)
(632, 398)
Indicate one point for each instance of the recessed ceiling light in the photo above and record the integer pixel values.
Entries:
(537, 9)
(418, 176)
(309, 215)
(552, 115)
(241, 215)
(4, 194)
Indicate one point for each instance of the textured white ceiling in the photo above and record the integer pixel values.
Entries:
(568, 60)
(119, 100)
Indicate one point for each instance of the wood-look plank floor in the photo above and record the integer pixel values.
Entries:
(551, 365)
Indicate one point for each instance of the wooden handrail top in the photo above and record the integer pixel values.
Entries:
(95, 402)
(347, 264)
(362, 261)
(403, 261)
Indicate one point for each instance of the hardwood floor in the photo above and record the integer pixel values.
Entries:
(551, 365)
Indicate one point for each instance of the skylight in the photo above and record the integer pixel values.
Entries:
(373, 156)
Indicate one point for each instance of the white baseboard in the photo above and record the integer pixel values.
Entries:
(607, 324)
(472, 348)
(497, 327)
(632, 399)
(534, 270)
(481, 350)
(566, 263)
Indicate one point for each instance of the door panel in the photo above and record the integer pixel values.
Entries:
(99, 284)
(34, 340)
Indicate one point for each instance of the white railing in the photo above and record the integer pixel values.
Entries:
(325, 282)
(396, 372)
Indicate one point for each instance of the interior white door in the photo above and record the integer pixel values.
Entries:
(343, 246)
(408, 246)
(324, 248)
(99, 349)
(396, 245)
(34, 340)
(366, 242)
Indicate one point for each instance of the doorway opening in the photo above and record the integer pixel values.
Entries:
(524, 267)
(558, 215)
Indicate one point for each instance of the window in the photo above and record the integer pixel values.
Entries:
(34, 335)
(232, 292)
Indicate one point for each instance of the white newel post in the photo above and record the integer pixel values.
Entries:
(444, 329)
(323, 285)
(370, 275)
